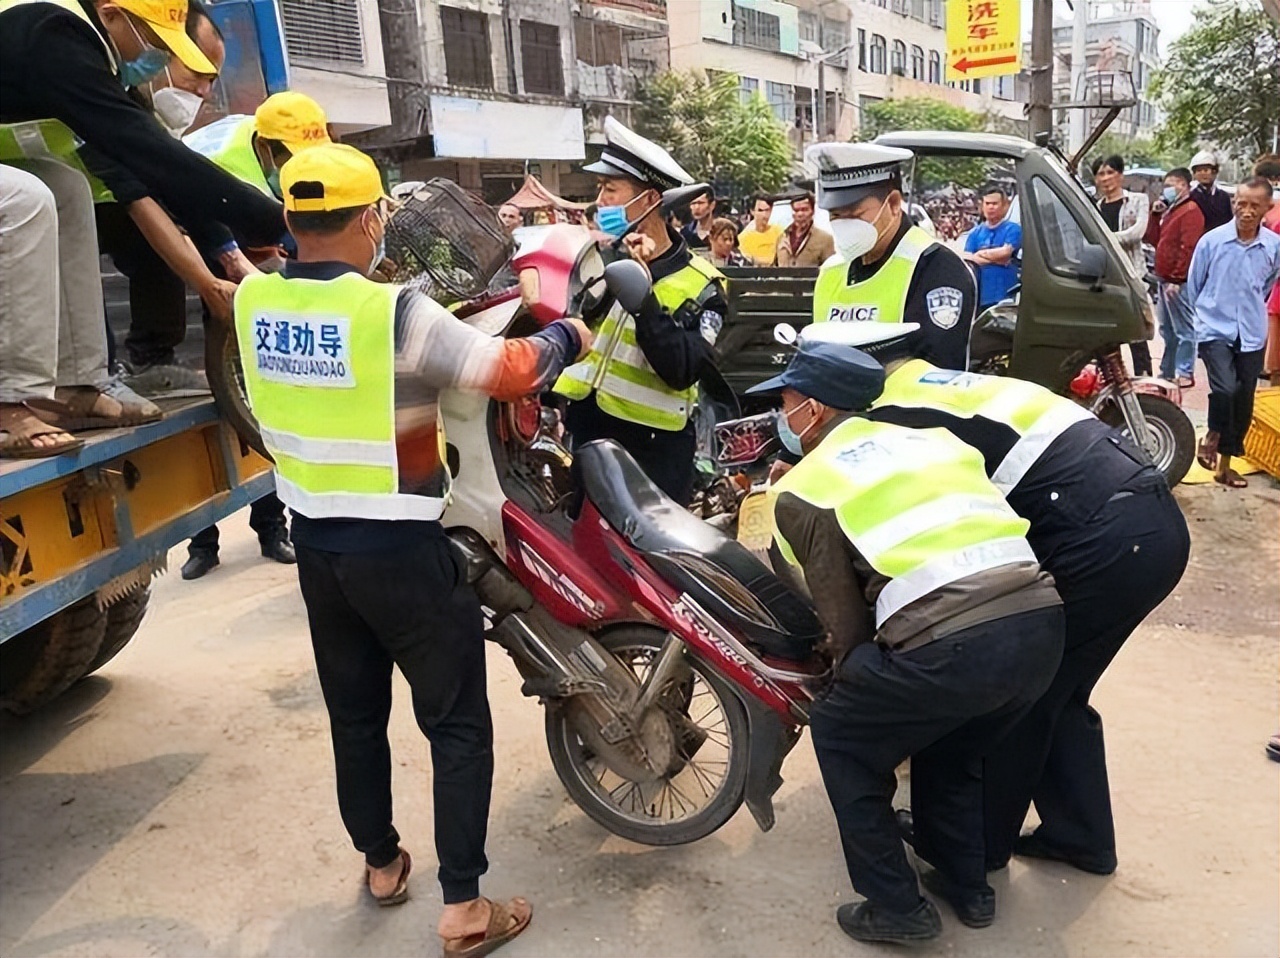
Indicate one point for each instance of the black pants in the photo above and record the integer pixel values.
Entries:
(1233, 377)
(1122, 564)
(157, 296)
(266, 518)
(404, 607)
(665, 457)
(1140, 351)
(945, 705)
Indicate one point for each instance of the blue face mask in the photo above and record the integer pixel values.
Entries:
(612, 220)
(790, 438)
(147, 66)
(1169, 194)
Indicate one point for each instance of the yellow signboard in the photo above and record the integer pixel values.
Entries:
(984, 38)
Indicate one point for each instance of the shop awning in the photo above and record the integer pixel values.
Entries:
(534, 196)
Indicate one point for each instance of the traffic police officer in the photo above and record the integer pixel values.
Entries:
(343, 375)
(1105, 526)
(945, 628)
(886, 268)
(639, 385)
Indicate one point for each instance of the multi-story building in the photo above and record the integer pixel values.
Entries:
(484, 91)
(1122, 38)
(856, 52)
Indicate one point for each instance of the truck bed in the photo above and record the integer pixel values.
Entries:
(71, 524)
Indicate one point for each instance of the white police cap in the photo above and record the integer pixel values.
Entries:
(846, 172)
(627, 153)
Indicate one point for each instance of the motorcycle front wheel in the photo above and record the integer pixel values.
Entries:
(702, 789)
(226, 382)
(1170, 428)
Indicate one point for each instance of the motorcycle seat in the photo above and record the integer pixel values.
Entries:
(719, 573)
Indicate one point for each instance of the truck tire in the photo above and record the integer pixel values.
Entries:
(41, 663)
(123, 619)
(226, 382)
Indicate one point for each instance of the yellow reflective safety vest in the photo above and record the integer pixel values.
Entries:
(915, 503)
(229, 143)
(881, 297)
(624, 382)
(53, 139)
(319, 368)
(1037, 415)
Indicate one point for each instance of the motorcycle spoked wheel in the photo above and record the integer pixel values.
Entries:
(1175, 436)
(226, 382)
(702, 787)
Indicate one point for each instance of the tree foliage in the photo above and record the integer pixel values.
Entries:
(925, 113)
(718, 138)
(1221, 82)
(1137, 151)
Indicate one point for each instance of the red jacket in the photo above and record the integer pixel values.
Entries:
(1177, 232)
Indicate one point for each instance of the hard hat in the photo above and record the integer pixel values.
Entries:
(331, 176)
(168, 18)
(1204, 158)
(835, 375)
(294, 119)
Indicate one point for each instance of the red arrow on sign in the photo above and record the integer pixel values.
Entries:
(964, 63)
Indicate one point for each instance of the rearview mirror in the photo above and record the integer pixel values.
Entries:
(684, 195)
(629, 283)
(1093, 265)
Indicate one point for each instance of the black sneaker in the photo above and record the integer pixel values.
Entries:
(976, 907)
(168, 381)
(198, 564)
(278, 548)
(864, 921)
(1032, 845)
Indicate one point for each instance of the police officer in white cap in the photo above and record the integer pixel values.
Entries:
(639, 384)
(887, 269)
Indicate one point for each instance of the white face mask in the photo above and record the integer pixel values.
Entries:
(856, 237)
(176, 109)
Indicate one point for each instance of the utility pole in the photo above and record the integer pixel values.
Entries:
(1079, 62)
(1041, 114)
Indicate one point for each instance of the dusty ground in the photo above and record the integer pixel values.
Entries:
(181, 803)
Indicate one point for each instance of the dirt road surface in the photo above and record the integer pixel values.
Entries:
(181, 802)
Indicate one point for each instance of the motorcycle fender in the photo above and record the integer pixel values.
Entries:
(771, 740)
(1156, 386)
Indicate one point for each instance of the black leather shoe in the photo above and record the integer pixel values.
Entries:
(1032, 845)
(280, 549)
(864, 921)
(198, 563)
(976, 907)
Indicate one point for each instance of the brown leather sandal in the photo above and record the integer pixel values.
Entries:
(504, 925)
(76, 407)
(22, 427)
(400, 893)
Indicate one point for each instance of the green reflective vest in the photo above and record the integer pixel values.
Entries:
(1037, 415)
(53, 139)
(319, 369)
(915, 503)
(229, 143)
(624, 382)
(882, 297)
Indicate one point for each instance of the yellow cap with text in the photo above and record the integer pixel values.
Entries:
(331, 176)
(168, 18)
(294, 119)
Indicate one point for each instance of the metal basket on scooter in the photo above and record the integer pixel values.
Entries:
(445, 243)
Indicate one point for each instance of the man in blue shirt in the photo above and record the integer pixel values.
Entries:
(993, 248)
(1232, 272)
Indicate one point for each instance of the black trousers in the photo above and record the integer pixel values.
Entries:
(1233, 377)
(404, 607)
(1140, 351)
(157, 296)
(1122, 563)
(266, 518)
(945, 705)
(665, 457)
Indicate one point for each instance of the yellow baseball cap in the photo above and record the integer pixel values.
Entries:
(294, 119)
(168, 18)
(331, 176)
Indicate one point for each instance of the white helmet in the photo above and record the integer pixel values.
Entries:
(1204, 158)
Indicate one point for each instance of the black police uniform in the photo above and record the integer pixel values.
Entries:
(1105, 525)
(679, 348)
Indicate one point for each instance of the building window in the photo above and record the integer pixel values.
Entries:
(323, 30)
(835, 35)
(898, 65)
(977, 86)
(751, 28)
(747, 88)
(783, 101)
(467, 59)
(862, 50)
(917, 63)
(809, 29)
(917, 9)
(935, 13)
(879, 53)
(540, 53)
(935, 66)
